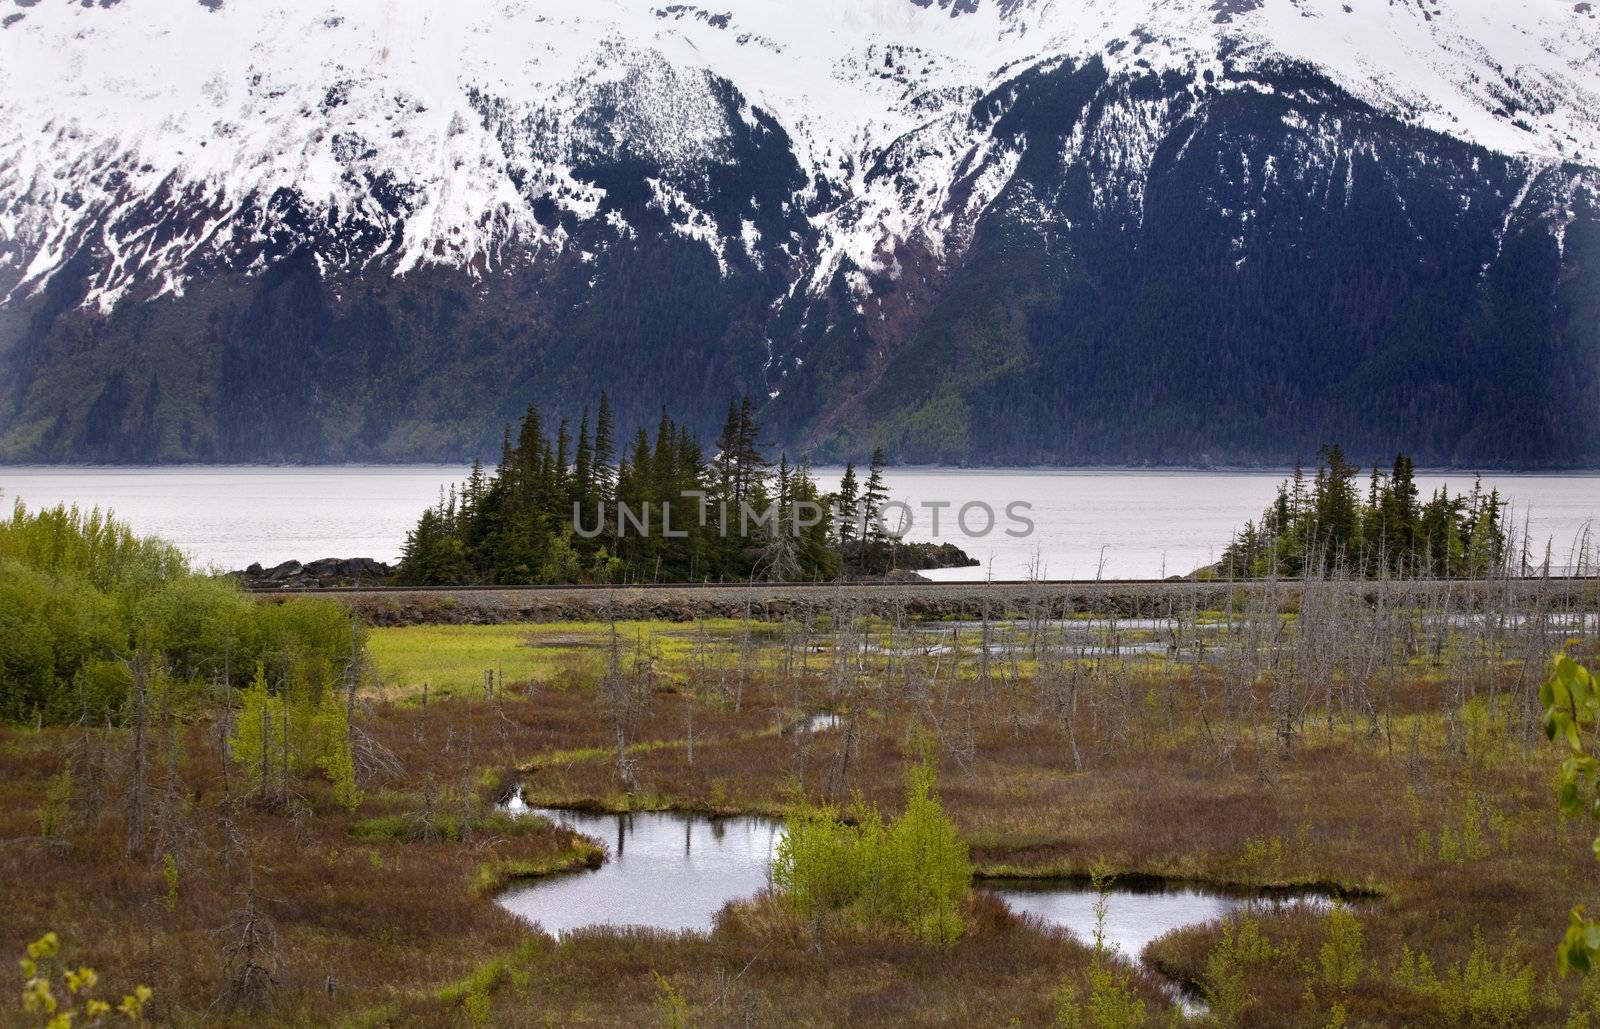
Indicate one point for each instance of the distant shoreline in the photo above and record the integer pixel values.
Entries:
(1264, 469)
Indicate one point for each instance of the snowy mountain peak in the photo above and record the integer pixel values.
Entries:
(467, 114)
(919, 222)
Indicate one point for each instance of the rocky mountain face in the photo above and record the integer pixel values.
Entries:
(973, 231)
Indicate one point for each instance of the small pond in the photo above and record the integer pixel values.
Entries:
(662, 871)
(1135, 915)
(821, 723)
(674, 871)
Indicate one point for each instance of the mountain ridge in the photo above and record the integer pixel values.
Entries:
(376, 232)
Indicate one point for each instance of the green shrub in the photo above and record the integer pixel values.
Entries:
(907, 875)
(80, 594)
(671, 1006)
(54, 631)
(1242, 948)
(1112, 1003)
(1483, 991)
(318, 738)
(1342, 945)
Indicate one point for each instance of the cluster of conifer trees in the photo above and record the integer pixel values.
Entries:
(587, 509)
(1325, 526)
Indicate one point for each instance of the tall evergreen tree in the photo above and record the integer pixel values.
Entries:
(873, 497)
(605, 450)
(1334, 506)
(726, 463)
(848, 504)
(583, 462)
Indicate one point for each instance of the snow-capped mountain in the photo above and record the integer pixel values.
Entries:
(970, 229)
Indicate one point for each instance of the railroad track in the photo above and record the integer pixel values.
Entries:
(974, 585)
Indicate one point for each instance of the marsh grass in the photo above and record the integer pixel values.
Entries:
(760, 967)
(1347, 752)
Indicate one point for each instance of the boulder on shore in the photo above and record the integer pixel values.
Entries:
(326, 573)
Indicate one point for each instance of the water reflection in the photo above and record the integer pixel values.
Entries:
(665, 871)
(1135, 916)
(674, 871)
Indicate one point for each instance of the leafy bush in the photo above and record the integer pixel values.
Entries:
(1482, 991)
(294, 732)
(1342, 944)
(907, 875)
(1112, 1001)
(80, 595)
(1571, 700)
(55, 632)
(1242, 948)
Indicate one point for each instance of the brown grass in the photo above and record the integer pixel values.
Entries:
(380, 929)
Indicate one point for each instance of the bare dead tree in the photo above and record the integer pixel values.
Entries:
(139, 669)
(618, 694)
(468, 794)
(225, 715)
(250, 951)
(428, 818)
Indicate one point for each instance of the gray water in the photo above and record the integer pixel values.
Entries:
(1151, 524)
(1135, 917)
(1114, 524)
(662, 871)
(675, 872)
(824, 722)
(227, 516)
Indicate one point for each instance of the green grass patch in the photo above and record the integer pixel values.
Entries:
(445, 825)
(494, 876)
(452, 659)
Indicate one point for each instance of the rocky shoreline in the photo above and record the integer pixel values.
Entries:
(327, 573)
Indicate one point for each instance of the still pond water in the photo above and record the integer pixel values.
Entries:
(1115, 524)
(675, 872)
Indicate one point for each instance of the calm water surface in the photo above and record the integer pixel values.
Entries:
(1135, 917)
(1149, 524)
(228, 516)
(1118, 524)
(675, 872)
(662, 871)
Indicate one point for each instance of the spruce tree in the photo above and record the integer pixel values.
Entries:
(873, 497)
(605, 450)
(752, 466)
(848, 504)
(1399, 519)
(817, 557)
(726, 462)
(1334, 505)
(559, 467)
(530, 438)
(583, 462)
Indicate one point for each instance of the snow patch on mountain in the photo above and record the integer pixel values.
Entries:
(167, 135)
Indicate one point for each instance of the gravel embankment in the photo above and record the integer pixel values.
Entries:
(479, 606)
